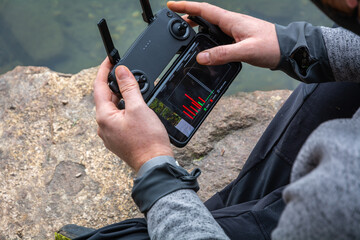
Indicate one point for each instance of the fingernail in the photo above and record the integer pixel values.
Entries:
(122, 72)
(203, 58)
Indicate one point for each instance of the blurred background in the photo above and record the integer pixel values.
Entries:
(63, 35)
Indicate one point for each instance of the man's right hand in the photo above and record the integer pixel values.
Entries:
(256, 41)
(345, 6)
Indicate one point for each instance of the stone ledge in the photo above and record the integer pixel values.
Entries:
(55, 170)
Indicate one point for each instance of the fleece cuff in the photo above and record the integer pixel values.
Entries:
(160, 181)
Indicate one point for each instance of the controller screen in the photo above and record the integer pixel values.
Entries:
(189, 91)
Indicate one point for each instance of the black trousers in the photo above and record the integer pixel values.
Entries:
(250, 206)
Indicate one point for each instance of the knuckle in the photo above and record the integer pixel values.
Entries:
(250, 52)
(138, 108)
(221, 53)
(204, 5)
(128, 87)
(227, 19)
(99, 133)
(100, 121)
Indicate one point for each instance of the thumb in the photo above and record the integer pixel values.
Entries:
(129, 88)
(220, 55)
(352, 3)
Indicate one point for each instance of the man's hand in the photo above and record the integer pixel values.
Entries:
(345, 6)
(256, 40)
(135, 134)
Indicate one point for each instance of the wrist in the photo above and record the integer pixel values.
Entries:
(154, 162)
(275, 56)
(151, 153)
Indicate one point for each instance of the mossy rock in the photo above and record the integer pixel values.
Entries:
(60, 237)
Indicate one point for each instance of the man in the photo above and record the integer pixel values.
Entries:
(322, 193)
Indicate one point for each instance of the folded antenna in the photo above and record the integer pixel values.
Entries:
(111, 51)
(147, 14)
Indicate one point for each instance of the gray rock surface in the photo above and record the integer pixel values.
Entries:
(54, 169)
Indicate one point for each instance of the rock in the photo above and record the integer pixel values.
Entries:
(55, 170)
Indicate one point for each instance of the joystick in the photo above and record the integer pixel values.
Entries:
(142, 80)
(179, 29)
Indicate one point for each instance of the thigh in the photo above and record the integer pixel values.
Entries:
(269, 165)
(249, 208)
(253, 219)
(131, 229)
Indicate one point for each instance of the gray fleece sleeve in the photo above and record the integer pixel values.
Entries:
(303, 53)
(181, 215)
(323, 199)
(343, 48)
(318, 54)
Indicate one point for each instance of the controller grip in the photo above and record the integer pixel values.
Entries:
(213, 30)
(113, 84)
(115, 89)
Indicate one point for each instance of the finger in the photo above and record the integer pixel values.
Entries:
(342, 6)
(211, 13)
(191, 23)
(352, 3)
(223, 54)
(102, 92)
(129, 87)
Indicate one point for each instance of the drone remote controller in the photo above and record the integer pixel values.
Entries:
(166, 35)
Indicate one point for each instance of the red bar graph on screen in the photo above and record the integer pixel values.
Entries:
(188, 115)
(194, 107)
(189, 110)
(193, 102)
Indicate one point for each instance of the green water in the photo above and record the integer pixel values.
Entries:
(63, 35)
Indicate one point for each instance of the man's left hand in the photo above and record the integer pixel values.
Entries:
(135, 134)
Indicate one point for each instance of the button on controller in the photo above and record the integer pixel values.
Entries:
(179, 29)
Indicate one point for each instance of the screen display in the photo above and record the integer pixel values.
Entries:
(189, 91)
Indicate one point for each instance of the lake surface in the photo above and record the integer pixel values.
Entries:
(63, 35)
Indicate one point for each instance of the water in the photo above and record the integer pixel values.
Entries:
(62, 34)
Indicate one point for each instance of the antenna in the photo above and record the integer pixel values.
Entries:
(111, 51)
(147, 14)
